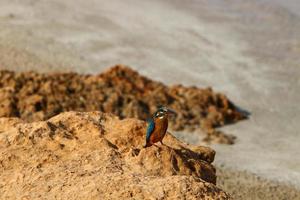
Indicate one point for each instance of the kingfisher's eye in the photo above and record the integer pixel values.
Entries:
(159, 113)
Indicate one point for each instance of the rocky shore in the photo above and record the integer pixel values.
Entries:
(78, 155)
(245, 49)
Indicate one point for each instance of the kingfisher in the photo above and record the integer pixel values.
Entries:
(158, 125)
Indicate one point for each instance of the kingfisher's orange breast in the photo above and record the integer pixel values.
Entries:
(161, 126)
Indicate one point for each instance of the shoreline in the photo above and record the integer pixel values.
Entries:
(247, 186)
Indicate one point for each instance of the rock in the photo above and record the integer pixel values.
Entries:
(121, 91)
(77, 155)
(7, 102)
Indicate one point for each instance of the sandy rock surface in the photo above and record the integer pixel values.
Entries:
(93, 155)
(119, 90)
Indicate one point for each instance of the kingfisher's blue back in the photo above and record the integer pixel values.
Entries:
(150, 128)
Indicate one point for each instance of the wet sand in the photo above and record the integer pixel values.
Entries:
(248, 50)
(247, 186)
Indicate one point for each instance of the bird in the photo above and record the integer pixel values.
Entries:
(158, 125)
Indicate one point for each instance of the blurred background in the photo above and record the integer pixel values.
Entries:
(247, 49)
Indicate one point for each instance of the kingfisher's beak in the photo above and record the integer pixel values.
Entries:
(172, 112)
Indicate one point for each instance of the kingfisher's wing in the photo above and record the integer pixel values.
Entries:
(150, 128)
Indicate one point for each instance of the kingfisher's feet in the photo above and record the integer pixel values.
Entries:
(148, 144)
